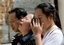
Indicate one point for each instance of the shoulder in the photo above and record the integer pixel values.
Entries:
(56, 35)
(30, 41)
(57, 32)
(55, 38)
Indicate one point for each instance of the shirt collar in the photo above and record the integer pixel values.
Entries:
(27, 36)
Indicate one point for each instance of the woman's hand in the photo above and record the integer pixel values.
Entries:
(36, 28)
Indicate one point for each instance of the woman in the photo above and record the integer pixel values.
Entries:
(45, 16)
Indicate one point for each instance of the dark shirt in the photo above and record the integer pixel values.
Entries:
(28, 39)
(15, 39)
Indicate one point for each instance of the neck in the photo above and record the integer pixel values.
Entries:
(19, 34)
(50, 26)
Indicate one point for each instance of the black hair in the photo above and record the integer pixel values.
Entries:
(48, 9)
(20, 12)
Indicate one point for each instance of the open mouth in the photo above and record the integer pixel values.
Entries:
(12, 28)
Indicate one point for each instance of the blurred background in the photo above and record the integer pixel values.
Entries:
(5, 5)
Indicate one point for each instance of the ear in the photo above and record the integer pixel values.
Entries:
(50, 17)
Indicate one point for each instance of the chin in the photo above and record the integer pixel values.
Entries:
(15, 30)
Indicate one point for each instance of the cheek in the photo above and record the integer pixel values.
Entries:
(16, 28)
(44, 21)
(26, 22)
(19, 27)
(15, 25)
(11, 25)
(25, 25)
(36, 15)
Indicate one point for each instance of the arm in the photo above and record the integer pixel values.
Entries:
(38, 40)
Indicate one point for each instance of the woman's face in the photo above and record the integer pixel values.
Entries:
(13, 21)
(42, 17)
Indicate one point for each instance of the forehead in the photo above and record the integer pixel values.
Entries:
(11, 17)
(38, 12)
(29, 16)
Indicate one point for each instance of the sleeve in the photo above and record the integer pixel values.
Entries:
(55, 39)
(15, 40)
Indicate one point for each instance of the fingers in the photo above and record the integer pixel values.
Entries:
(32, 24)
(35, 23)
(38, 22)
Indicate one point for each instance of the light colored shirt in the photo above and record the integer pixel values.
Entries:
(53, 37)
